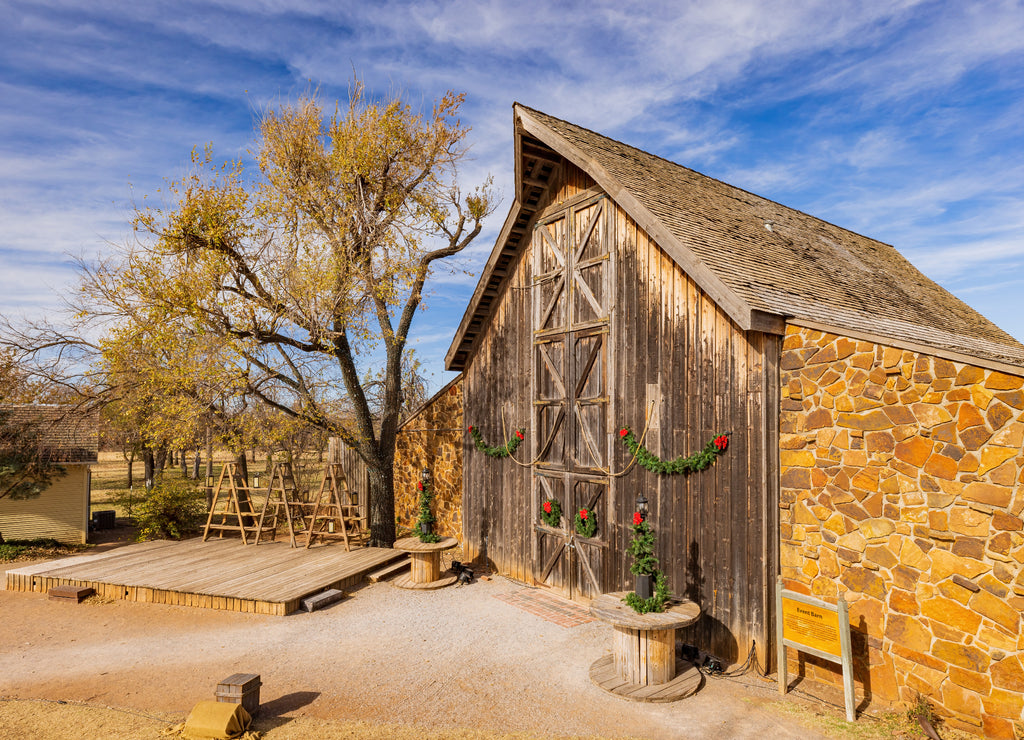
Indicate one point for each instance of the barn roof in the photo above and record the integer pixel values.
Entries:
(764, 264)
(62, 436)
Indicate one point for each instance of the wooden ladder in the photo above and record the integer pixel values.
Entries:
(335, 513)
(233, 506)
(281, 494)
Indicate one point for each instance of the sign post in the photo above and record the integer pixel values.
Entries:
(816, 627)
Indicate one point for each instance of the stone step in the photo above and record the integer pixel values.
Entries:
(389, 571)
(322, 599)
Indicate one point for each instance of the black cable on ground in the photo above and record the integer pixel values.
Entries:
(711, 667)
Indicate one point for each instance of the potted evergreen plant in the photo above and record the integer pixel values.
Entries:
(425, 521)
(650, 588)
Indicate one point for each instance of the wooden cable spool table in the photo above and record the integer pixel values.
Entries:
(643, 664)
(425, 560)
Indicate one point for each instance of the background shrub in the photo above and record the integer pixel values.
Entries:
(172, 510)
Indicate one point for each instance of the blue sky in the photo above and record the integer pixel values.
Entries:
(899, 120)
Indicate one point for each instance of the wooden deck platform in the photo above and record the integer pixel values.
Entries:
(270, 578)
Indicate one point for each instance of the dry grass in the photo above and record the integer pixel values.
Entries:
(110, 477)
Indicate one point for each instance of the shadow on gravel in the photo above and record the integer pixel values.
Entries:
(272, 711)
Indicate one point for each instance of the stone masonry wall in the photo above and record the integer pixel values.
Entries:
(432, 439)
(902, 486)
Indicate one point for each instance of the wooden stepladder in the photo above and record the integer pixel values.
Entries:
(232, 506)
(335, 514)
(282, 494)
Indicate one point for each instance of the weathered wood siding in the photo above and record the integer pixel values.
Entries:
(717, 531)
(60, 512)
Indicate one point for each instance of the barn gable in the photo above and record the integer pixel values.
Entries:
(763, 263)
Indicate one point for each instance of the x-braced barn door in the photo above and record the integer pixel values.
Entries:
(572, 304)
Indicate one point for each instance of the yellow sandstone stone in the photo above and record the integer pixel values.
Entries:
(981, 396)
(993, 457)
(1002, 382)
(994, 608)
(987, 493)
(1004, 474)
(1012, 436)
(969, 522)
(929, 415)
(945, 564)
(913, 556)
(874, 529)
(796, 458)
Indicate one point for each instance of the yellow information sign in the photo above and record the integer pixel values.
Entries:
(811, 626)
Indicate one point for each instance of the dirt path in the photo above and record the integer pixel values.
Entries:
(438, 661)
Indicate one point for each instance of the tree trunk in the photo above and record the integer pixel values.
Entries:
(209, 452)
(243, 466)
(195, 465)
(382, 506)
(131, 468)
(150, 464)
(184, 464)
(161, 461)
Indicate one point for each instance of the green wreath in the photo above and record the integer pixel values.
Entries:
(551, 512)
(694, 463)
(586, 522)
(504, 451)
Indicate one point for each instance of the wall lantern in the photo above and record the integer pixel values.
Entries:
(641, 506)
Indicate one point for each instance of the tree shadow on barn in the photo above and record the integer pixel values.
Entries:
(707, 634)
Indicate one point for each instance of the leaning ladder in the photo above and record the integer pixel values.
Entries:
(331, 518)
(281, 494)
(232, 507)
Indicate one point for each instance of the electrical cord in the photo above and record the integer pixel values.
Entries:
(712, 668)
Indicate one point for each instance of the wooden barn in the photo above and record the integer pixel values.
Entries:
(626, 290)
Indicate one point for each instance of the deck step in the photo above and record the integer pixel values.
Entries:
(388, 571)
(322, 599)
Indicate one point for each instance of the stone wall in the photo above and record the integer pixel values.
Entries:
(902, 487)
(432, 438)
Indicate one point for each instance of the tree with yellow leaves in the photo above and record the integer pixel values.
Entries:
(303, 278)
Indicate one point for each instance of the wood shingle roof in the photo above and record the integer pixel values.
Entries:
(62, 436)
(763, 263)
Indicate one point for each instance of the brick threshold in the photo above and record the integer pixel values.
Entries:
(547, 606)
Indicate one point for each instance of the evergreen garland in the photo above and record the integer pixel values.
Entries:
(654, 604)
(425, 517)
(694, 463)
(551, 512)
(504, 451)
(586, 523)
(645, 563)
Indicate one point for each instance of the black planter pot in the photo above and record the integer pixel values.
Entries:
(643, 586)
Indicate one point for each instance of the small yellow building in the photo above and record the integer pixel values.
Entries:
(62, 510)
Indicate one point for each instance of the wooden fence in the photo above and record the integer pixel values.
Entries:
(356, 472)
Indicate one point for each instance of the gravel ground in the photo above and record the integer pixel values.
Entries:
(436, 660)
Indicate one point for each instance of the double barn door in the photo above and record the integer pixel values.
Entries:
(572, 301)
